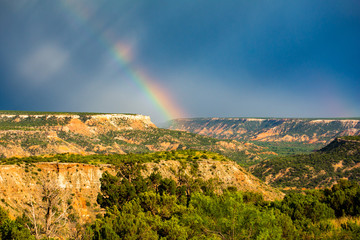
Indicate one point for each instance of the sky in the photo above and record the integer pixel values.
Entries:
(174, 59)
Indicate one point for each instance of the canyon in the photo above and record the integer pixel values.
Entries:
(321, 131)
(25, 185)
(23, 134)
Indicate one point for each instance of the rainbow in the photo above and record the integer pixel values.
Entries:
(158, 95)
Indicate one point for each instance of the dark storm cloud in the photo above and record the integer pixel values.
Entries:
(272, 37)
(229, 58)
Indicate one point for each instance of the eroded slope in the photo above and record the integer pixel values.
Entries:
(270, 129)
(339, 159)
(39, 134)
(22, 184)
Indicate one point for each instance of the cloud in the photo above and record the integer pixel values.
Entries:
(119, 97)
(237, 58)
(245, 96)
(43, 63)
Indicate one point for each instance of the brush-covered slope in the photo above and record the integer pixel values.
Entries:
(35, 133)
(339, 159)
(270, 129)
(23, 180)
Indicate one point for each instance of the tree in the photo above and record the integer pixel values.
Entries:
(227, 217)
(344, 198)
(10, 229)
(49, 216)
(302, 207)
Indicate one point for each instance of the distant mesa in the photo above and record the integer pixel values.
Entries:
(270, 129)
(39, 133)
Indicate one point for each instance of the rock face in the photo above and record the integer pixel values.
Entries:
(81, 123)
(270, 129)
(80, 183)
(227, 172)
(21, 184)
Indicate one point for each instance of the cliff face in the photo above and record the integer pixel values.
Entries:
(271, 130)
(227, 172)
(81, 123)
(22, 185)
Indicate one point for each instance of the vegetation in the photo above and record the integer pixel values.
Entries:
(155, 207)
(158, 208)
(115, 159)
(49, 217)
(43, 133)
(289, 148)
(131, 141)
(31, 122)
(14, 229)
(319, 169)
(153, 138)
(354, 138)
(188, 207)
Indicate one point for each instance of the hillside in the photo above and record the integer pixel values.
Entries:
(38, 133)
(170, 195)
(23, 181)
(339, 159)
(312, 131)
